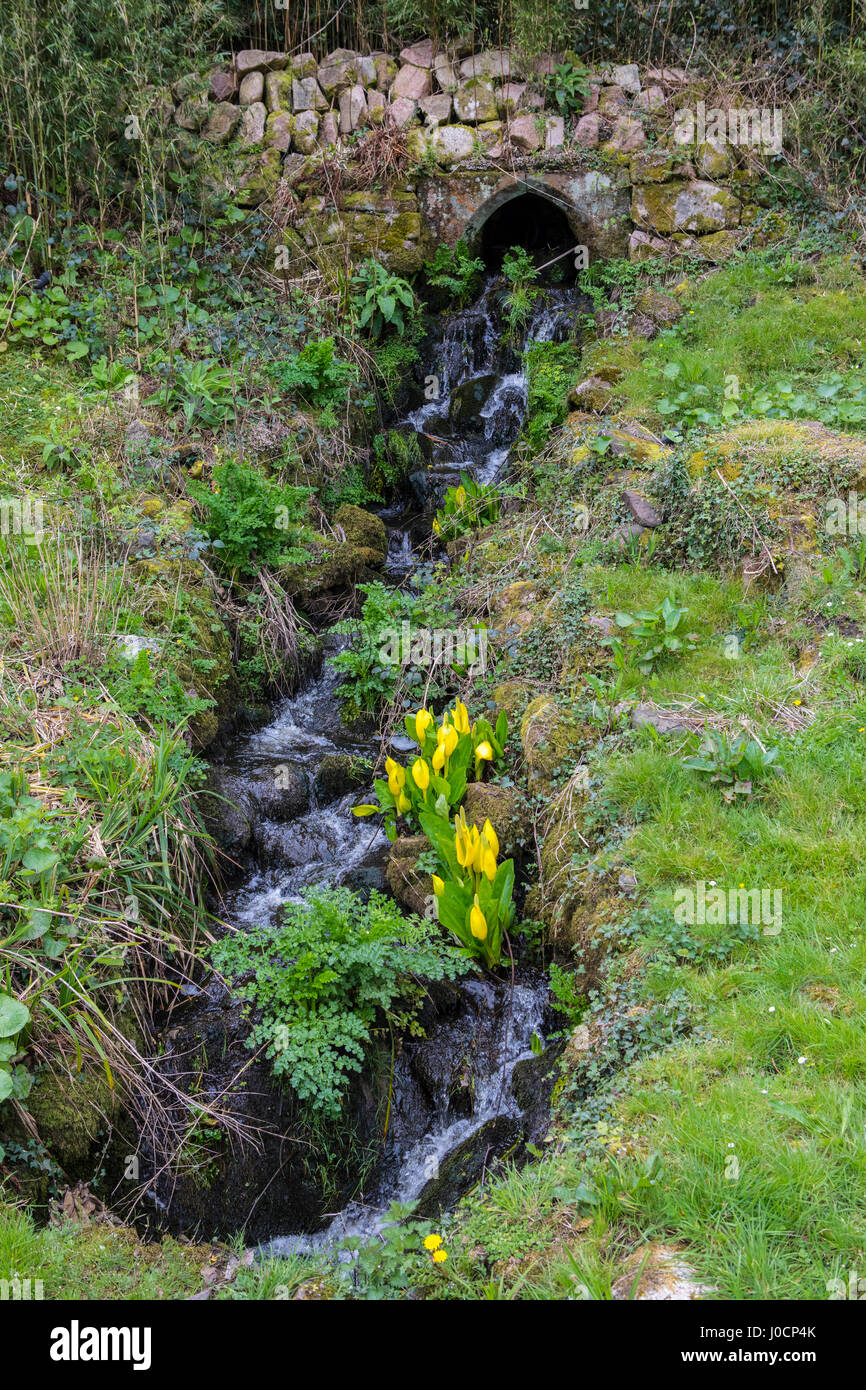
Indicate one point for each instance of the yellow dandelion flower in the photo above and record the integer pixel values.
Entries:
(440, 1256)
(432, 1242)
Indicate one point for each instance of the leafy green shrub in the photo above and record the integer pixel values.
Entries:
(332, 971)
(466, 508)
(736, 764)
(381, 298)
(551, 370)
(452, 269)
(204, 391)
(315, 375)
(369, 668)
(252, 520)
(650, 635)
(568, 84)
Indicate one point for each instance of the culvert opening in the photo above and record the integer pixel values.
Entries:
(536, 224)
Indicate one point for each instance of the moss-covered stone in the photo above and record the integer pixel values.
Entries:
(684, 206)
(507, 812)
(364, 529)
(411, 888)
(551, 741)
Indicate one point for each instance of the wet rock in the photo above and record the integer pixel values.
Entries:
(339, 773)
(642, 510)
(276, 791)
(291, 844)
(227, 811)
(467, 400)
(465, 1166)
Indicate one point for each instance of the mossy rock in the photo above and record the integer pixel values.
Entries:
(627, 439)
(550, 739)
(512, 696)
(516, 606)
(363, 529)
(412, 889)
(339, 773)
(334, 565)
(507, 812)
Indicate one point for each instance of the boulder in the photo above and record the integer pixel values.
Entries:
(257, 59)
(554, 132)
(334, 77)
(192, 114)
(626, 76)
(628, 135)
(490, 63)
(278, 91)
(592, 394)
(713, 160)
(386, 71)
(652, 101)
(452, 143)
(303, 65)
(524, 133)
(412, 82)
(436, 108)
(252, 88)
(419, 55)
(376, 107)
(353, 109)
(305, 131)
(329, 132)
(365, 529)
(307, 95)
(475, 101)
(412, 888)
(443, 69)
(221, 124)
(694, 206)
(401, 111)
(643, 247)
(586, 132)
(338, 773)
(223, 84)
(278, 130)
(663, 309)
(658, 165)
(509, 98)
(252, 127)
(612, 102)
(643, 511)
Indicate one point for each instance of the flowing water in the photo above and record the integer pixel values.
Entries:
(470, 1089)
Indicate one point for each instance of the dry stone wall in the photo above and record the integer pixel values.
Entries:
(479, 130)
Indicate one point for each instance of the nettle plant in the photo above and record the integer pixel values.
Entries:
(465, 508)
(650, 635)
(735, 764)
(436, 780)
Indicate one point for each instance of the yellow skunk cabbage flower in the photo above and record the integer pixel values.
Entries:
(460, 495)
(460, 718)
(396, 777)
(421, 775)
(438, 885)
(403, 803)
(484, 751)
(462, 844)
(489, 865)
(477, 922)
(492, 838)
(438, 759)
(423, 720)
(448, 738)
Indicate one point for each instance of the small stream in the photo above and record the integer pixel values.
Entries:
(472, 1089)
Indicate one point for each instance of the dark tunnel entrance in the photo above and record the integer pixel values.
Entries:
(536, 224)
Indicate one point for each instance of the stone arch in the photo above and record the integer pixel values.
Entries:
(595, 206)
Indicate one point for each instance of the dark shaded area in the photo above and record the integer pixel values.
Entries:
(534, 223)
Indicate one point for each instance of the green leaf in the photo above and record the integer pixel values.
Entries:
(13, 1016)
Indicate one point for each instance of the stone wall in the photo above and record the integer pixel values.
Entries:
(478, 132)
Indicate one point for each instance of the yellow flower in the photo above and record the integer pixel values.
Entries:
(448, 738)
(432, 1242)
(440, 1256)
(484, 751)
(421, 774)
(460, 718)
(438, 885)
(489, 865)
(423, 720)
(477, 922)
(403, 803)
(491, 835)
(438, 759)
(460, 495)
(461, 840)
(436, 527)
